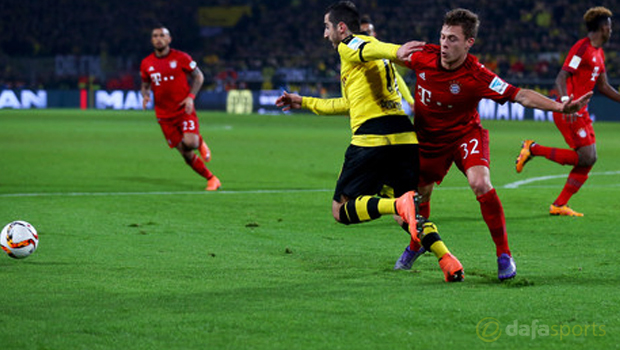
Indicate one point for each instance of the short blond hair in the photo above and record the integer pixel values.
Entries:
(595, 17)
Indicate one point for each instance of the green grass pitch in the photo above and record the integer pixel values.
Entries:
(135, 255)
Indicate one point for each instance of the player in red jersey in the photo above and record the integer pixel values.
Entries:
(450, 84)
(165, 71)
(583, 69)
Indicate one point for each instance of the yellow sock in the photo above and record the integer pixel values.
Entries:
(365, 208)
(361, 208)
(430, 237)
(439, 249)
(387, 206)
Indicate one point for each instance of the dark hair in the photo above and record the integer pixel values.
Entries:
(596, 17)
(466, 19)
(365, 19)
(346, 12)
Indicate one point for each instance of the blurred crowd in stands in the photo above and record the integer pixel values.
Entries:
(66, 44)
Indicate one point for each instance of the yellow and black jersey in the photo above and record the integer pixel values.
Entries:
(404, 89)
(369, 94)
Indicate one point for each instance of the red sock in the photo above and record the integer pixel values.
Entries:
(493, 215)
(559, 155)
(425, 209)
(199, 166)
(576, 179)
(414, 246)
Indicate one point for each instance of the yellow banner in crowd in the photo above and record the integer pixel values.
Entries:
(222, 16)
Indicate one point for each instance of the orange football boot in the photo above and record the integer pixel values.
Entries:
(564, 210)
(213, 184)
(525, 155)
(405, 206)
(452, 268)
(205, 152)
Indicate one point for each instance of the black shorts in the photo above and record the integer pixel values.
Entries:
(367, 169)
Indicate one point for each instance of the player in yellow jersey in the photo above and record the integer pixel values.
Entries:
(383, 154)
(366, 27)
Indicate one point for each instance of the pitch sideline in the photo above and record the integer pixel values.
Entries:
(513, 185)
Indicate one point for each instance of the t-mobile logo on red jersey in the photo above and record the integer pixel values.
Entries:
(595, 73)
(425, 95)
(156, 78)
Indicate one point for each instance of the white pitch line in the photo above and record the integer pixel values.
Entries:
(512, 185)
(549, 177)
(157, 193)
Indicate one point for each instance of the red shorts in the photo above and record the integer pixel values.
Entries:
(577, 134)
(470, 150)
(174, 128)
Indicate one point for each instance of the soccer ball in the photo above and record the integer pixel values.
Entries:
(19, 239)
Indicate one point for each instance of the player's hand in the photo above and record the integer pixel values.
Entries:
(289, 101)
(570, 107)
(188, 103)
(405, 51)
(145, 101)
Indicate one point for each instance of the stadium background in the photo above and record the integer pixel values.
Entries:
(70, 45)
(135, 255)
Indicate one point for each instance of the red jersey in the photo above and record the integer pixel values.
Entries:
(447, 100)
(168, 78)
(584, 63)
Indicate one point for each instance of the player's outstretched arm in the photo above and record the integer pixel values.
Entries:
(532, 99)
(289, 101)
(377, 50)
(320, 106)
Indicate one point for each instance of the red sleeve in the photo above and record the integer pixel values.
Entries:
(186, 62)
(430, 51)
(145, 77)
(575, 55)
(413, 59)
(494, 87)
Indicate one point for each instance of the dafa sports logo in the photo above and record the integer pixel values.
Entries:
(489, 329)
